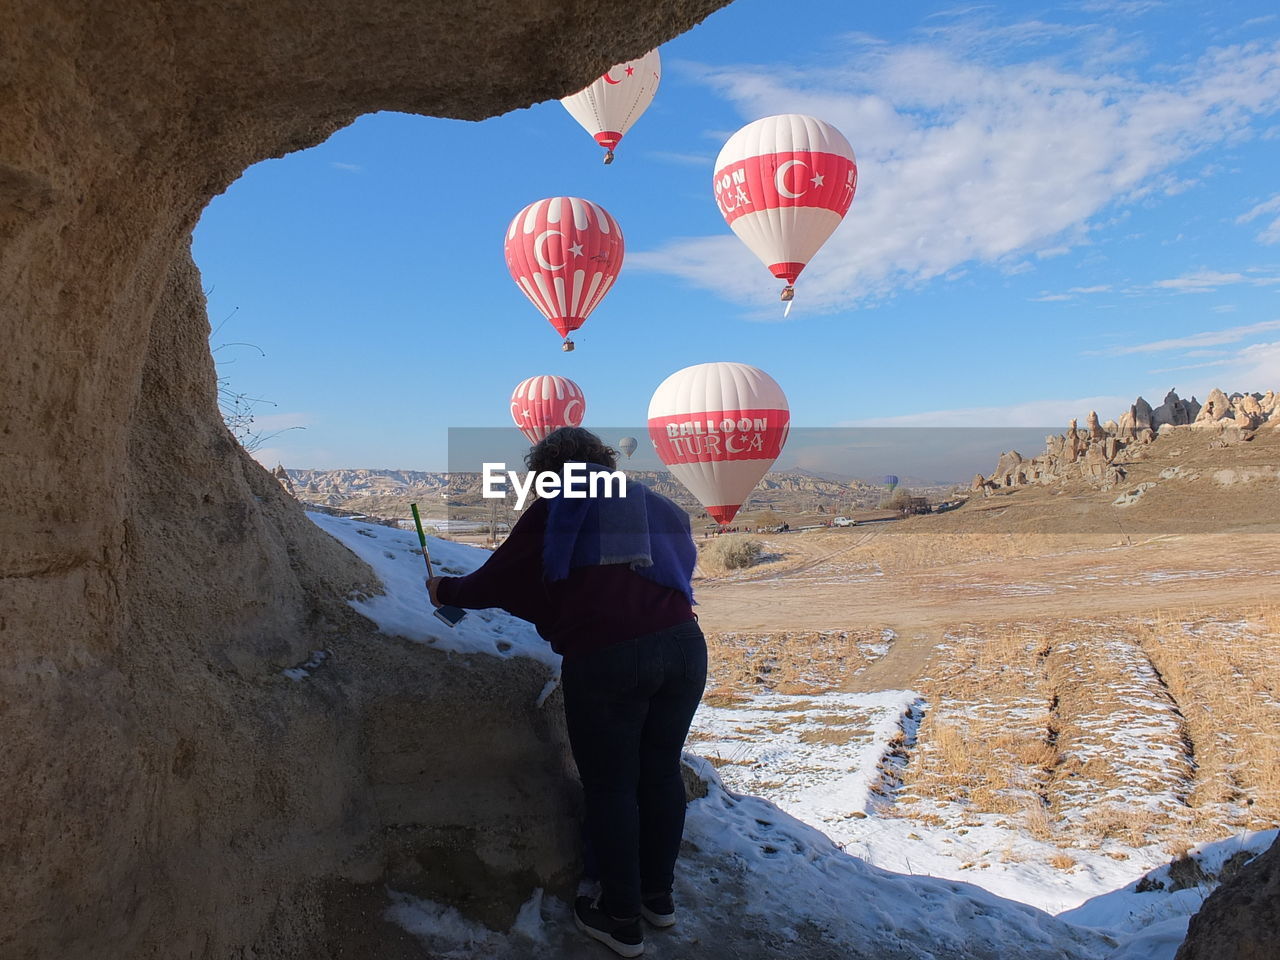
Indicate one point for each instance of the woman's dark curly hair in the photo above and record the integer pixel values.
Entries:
(570, 445)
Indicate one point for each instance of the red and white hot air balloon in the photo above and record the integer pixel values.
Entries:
(564, 253)
(719, 427)
(784, 184)
(540, 405)
(609, 107)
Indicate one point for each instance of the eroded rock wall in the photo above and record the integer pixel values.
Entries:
(1240, 920)
(167, 792)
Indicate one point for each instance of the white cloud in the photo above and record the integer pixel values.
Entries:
(1033, 413)
(1270, 232)
(1128, 8)
(1192, 366)
(1058, 251)
(1260, 367)
(1208, 338)
(348, 167)
(963, 158)
(1206, 281)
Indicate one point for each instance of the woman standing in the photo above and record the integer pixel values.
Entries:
(606, 580)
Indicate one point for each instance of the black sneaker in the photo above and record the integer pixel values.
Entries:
(623, 937)
(659, 911)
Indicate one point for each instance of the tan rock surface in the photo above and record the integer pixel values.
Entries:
(167, 793)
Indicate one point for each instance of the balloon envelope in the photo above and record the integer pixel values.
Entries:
(607, 108)
(540, 405)
(783, 184)
(890, 481)
(719, 427)
(628, 446)
(564, 253)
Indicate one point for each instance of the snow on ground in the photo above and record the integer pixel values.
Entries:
(819, 759)
(809, 875)
(405, 611)
(754, 881)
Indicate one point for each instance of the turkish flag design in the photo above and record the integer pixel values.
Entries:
(793, 178)
(783, 184)
(564, 253)
(542, 404)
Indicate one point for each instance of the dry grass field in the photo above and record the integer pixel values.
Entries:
(1160, 729)
(1100, 685)
(800, 662)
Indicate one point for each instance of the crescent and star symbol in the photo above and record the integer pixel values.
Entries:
(728, 445)
(630, 71)
(780, 178)
(539, 250)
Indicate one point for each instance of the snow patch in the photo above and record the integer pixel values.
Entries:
(405, 611)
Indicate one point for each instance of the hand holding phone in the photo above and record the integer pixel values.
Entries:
(448, 614)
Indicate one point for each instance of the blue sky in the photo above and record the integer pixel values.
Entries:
(1059, 207)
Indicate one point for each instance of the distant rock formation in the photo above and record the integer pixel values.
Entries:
(282, 477)
(1097, 453)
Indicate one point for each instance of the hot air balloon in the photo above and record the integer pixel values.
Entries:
(890, 481)
(564, 253)
(609, 107)
(542, 404)
(784, 184)
(628, 446)
(719, 427)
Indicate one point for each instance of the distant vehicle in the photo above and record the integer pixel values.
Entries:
(844, 522)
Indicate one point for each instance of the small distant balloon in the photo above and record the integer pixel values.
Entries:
(628, 446)
(890, 481)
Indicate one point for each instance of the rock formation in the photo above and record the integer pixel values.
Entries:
(1241, 918)
(1217, 407)
(1097, 453)
(166, 792)
(1174, 412)
(282, 477)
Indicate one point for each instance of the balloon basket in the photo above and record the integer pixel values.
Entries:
(788, 293)
(567, 346)
(608, 158)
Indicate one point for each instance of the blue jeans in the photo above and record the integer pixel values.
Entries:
(628, 707)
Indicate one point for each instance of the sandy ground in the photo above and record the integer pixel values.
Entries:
(832, 580)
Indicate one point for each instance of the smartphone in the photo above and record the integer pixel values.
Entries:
(450, 615)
